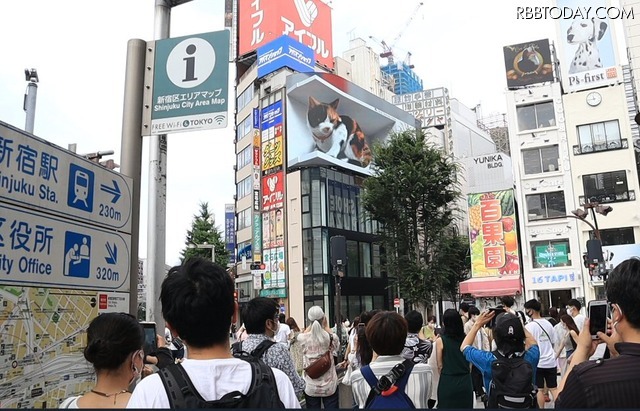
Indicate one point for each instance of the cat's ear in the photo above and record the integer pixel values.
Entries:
(334, 103)
(313, 102)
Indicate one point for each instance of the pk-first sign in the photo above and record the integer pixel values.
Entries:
(39, 175)
(190, 83)
(40, 250)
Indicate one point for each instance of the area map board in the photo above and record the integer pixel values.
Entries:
(65, 246)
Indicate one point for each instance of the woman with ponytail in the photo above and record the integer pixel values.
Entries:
(114, 348)
(316, 339)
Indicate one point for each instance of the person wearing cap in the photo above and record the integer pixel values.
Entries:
(511, 338)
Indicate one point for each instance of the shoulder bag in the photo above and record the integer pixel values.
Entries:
(321, 365)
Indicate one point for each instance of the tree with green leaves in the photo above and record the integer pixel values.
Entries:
(413, 195)
(205, 232)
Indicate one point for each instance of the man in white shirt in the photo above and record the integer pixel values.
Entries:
(544, 334)
(190, 294)
(284, 331)
(573, 309)
(386, 333)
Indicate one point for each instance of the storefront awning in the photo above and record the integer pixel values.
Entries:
(491, 286)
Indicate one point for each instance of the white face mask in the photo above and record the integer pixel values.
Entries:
(569, 311)
(137, 372)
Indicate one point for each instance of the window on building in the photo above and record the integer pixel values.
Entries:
(353, 260)
(549, 254)
(244, 219)
(616, 236)
(245, 97)
(540, 160)
(244, 188)
(534, 116)
(353, 57)
(599, 136)
(244, 157)
(606, 187)
(546, 205)
(244, 128)
(365, 259)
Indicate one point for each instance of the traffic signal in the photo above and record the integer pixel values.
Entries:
(257, 266)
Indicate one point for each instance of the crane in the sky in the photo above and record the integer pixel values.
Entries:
(388, 48)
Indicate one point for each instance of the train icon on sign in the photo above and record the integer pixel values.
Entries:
(80, 193)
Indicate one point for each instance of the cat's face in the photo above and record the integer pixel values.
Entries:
(322, 118)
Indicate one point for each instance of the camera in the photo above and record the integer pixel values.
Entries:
(498, 310)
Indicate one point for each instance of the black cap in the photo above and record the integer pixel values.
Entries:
(509, 326)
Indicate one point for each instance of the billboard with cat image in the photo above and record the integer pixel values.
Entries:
(332, 122)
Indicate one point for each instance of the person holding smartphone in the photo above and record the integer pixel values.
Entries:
(614, 382)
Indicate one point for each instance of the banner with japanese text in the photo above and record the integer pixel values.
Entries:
(493, 234)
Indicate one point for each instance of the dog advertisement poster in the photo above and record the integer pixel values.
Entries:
(528, 63)
(332, 122)
(586, 46)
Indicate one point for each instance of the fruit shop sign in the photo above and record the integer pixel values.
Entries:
(494, 244)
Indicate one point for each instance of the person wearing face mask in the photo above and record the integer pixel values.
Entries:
(573, 309)
(262, 322)
(428, 332)
(544, 334)
(114, 348)
(613, 382)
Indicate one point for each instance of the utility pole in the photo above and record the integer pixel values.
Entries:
(338, 261)
(29, 105)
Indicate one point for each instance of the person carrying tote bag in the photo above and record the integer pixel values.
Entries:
(319, 345)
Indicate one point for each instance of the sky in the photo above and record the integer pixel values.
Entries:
(79, 50)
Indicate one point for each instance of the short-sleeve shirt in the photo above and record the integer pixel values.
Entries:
(483, 360)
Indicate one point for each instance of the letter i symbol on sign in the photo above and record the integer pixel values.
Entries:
(190, 63)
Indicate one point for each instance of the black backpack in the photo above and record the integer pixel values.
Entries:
(262, 393)
(511, 383)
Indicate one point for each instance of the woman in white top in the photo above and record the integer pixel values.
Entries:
(316, 339)
(114, 347)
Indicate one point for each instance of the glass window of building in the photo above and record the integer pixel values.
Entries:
(365, 259)
(549, 254)
(245, 97)
(616, 236)
(546, 205)
(534, 116)
(244, 187)
(540, 160)
(353, 261)
(244, 219)
(606, 187)
(599, 136)
(244, 157)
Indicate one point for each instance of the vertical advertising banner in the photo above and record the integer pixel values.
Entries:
(230, 231)
(272, 204)
(493, 234)
(586, 45)
(307, 21)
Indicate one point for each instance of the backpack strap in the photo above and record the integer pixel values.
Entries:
(369, 376)
(401, 383)
(259, 351)
(177, 385)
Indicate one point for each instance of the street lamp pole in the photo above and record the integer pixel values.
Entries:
(205, 246)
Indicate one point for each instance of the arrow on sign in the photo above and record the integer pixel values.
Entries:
(115, 191)
(113, 253)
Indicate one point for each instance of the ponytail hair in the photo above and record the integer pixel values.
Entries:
(316, 316)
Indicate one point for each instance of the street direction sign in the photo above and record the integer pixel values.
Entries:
(39, 175)
(190, 83)
(43, 251)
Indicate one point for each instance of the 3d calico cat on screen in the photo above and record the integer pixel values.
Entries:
(338, 136)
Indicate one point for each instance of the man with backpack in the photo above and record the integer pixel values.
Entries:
(509, 371)
(262, 322)
(198, 306)
(543, 332)
(390, 381)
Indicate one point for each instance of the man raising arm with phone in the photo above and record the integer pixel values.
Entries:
(612, 383)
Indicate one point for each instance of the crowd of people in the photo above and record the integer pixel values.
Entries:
(502, 357)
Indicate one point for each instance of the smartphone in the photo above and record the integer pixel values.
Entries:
(150, 343)
(598, 315)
